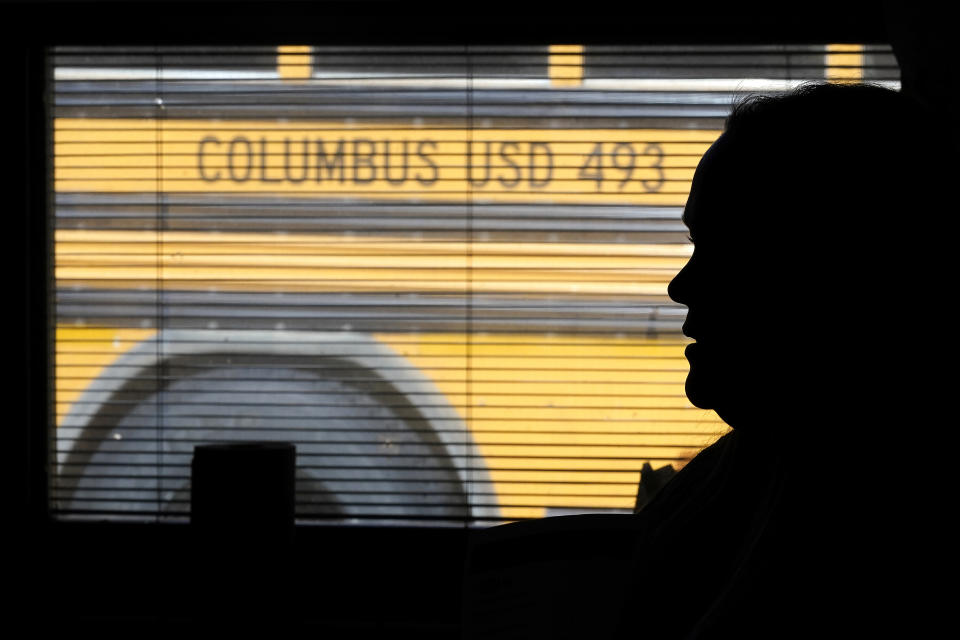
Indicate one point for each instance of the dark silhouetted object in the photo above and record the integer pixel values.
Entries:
(557, 578)
(242, 513)
(651, 481)
(244, 490)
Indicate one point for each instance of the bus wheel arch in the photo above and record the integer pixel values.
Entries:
(433, 428)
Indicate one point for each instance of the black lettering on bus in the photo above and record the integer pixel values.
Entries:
(540, 150)
(200, 159)
(656, 151)
(263, 163)
(623, 162)
(361, 160)
(592, 168)
(427, 160)
(505, 156)
(330, 164)
(486, 177)
(386, 164)
(304, 161)
(231, 159)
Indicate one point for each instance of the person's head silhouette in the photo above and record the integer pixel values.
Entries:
(808, 218)
(817, 220)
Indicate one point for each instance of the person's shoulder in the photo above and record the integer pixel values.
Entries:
(711, 455)
(708, 460)
(693, 477)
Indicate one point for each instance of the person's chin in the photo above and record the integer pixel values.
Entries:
(699, 386)
(698, 393)
(711, 390)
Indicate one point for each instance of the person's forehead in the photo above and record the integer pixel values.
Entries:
(706, 178)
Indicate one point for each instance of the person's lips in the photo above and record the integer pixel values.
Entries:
(690, 329)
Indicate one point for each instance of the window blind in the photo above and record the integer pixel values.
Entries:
(439, 271)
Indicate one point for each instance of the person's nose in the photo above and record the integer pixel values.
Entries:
(678, 287)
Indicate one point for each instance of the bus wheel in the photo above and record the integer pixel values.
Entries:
(364, 451)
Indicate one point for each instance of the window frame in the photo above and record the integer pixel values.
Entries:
(47, 23)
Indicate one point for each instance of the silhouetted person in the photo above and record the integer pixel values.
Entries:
(818, 223)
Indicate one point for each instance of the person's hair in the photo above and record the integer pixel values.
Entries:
(855, 159)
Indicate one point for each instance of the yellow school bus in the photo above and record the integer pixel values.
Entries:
(449, 292)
